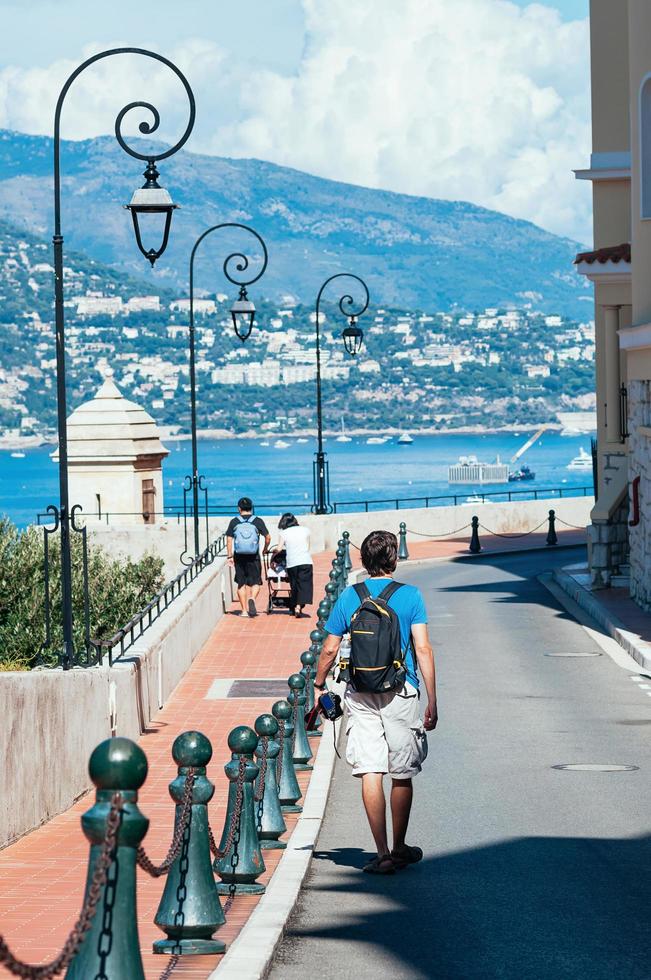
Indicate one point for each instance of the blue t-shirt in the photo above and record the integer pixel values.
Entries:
(407, 603)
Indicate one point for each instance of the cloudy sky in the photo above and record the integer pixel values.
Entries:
(481, 100)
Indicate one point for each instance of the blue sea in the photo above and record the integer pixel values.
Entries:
(280, 479)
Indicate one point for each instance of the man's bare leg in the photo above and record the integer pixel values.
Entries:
(402, 794)
(241, 595)
(375, 806)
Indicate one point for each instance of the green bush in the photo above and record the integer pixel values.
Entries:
(118, 589)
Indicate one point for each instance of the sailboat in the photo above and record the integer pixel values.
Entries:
(343, 437)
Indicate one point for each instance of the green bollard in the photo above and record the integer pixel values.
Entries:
(111, 947)
(475, 545)
(289, 792)
(302, 752)
(242, 862)
(348, 565)
(403, 553)
(331, 592)
(190, 910)
(269, 817)
(308, 671)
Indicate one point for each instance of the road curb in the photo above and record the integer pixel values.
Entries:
(629, 641)
(250, 955)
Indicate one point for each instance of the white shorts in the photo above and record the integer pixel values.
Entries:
(385, 732)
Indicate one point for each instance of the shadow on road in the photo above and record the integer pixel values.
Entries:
(543, 908)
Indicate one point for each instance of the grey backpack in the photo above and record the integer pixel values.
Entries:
(246, 537)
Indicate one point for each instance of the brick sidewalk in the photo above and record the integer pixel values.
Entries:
(42, 875)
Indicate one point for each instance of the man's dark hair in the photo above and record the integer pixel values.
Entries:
(287, 520)
(379, 553)
(245, 504)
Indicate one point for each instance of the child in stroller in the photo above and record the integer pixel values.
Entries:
(277, 580)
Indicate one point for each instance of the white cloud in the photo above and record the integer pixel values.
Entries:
(461, 99)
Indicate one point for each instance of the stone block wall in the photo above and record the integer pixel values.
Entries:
(639, 409)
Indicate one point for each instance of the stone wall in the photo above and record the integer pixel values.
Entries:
(609, 546)
(53, 719)
(639, 408)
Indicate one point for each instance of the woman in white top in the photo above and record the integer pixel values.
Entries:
(295, 541)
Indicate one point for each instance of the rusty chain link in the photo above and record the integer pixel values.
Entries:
(82, 925)
(279, 757)
(233, 826)
(179, 831)
(171, 966)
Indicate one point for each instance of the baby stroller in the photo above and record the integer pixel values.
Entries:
(277, 581)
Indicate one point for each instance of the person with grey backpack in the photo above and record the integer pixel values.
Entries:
(243, 546)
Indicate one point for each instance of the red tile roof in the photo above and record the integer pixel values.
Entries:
(614, 253)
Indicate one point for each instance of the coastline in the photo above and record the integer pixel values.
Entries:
(16, 443)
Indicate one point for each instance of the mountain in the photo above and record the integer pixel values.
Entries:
(413, 252)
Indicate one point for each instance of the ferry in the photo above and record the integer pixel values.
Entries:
(470, 470)
(405, 439)
(581, 462)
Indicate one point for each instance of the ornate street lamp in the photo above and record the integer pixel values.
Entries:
(353, 337)
(155, 200)
(243, 315)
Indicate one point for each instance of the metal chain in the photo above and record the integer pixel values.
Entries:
(279, 757)
(87, 914)
(258, 796)
(183, 822)
(234, 825)
(516, 535)
(446, 534)
(171, 966)
(575, 527)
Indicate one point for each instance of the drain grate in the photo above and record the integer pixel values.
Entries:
(580, 654)
(261, 687)
(595, 767)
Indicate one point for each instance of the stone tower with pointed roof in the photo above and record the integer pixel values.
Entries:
(115, 459)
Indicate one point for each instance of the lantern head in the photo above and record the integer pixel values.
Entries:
(151, 198)
(243, 313)
(353, 337)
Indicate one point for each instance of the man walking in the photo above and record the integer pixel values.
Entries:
(386, 731)
(243, 547)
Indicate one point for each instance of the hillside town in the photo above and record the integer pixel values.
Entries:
(523, 365)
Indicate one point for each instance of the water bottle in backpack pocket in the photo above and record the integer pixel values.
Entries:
(376, 660)
(246, 537)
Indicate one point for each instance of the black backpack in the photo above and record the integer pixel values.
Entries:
(377, 661)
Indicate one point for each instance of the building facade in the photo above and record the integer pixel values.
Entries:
(620, 171)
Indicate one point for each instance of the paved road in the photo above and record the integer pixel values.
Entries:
(530, 873)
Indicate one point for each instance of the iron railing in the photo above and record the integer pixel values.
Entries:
(128, 634)
(176, 513)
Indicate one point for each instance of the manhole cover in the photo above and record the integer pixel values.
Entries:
(580, 654)
(265, 687)
(595, 767)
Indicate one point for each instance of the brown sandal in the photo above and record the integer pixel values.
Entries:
(380, 865)
(406, 855)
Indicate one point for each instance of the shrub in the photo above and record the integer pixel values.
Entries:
(118, 588)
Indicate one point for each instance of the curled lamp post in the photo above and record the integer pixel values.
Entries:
(353, 337)
(243, 315)
(150, 199)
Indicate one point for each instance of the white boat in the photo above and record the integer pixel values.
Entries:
(343, 437)
(264, 443)
(301, 440)
(377, 440)
(581, 462)
(18, 455)
(474, 499)
(281, 444)
(405, 439)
